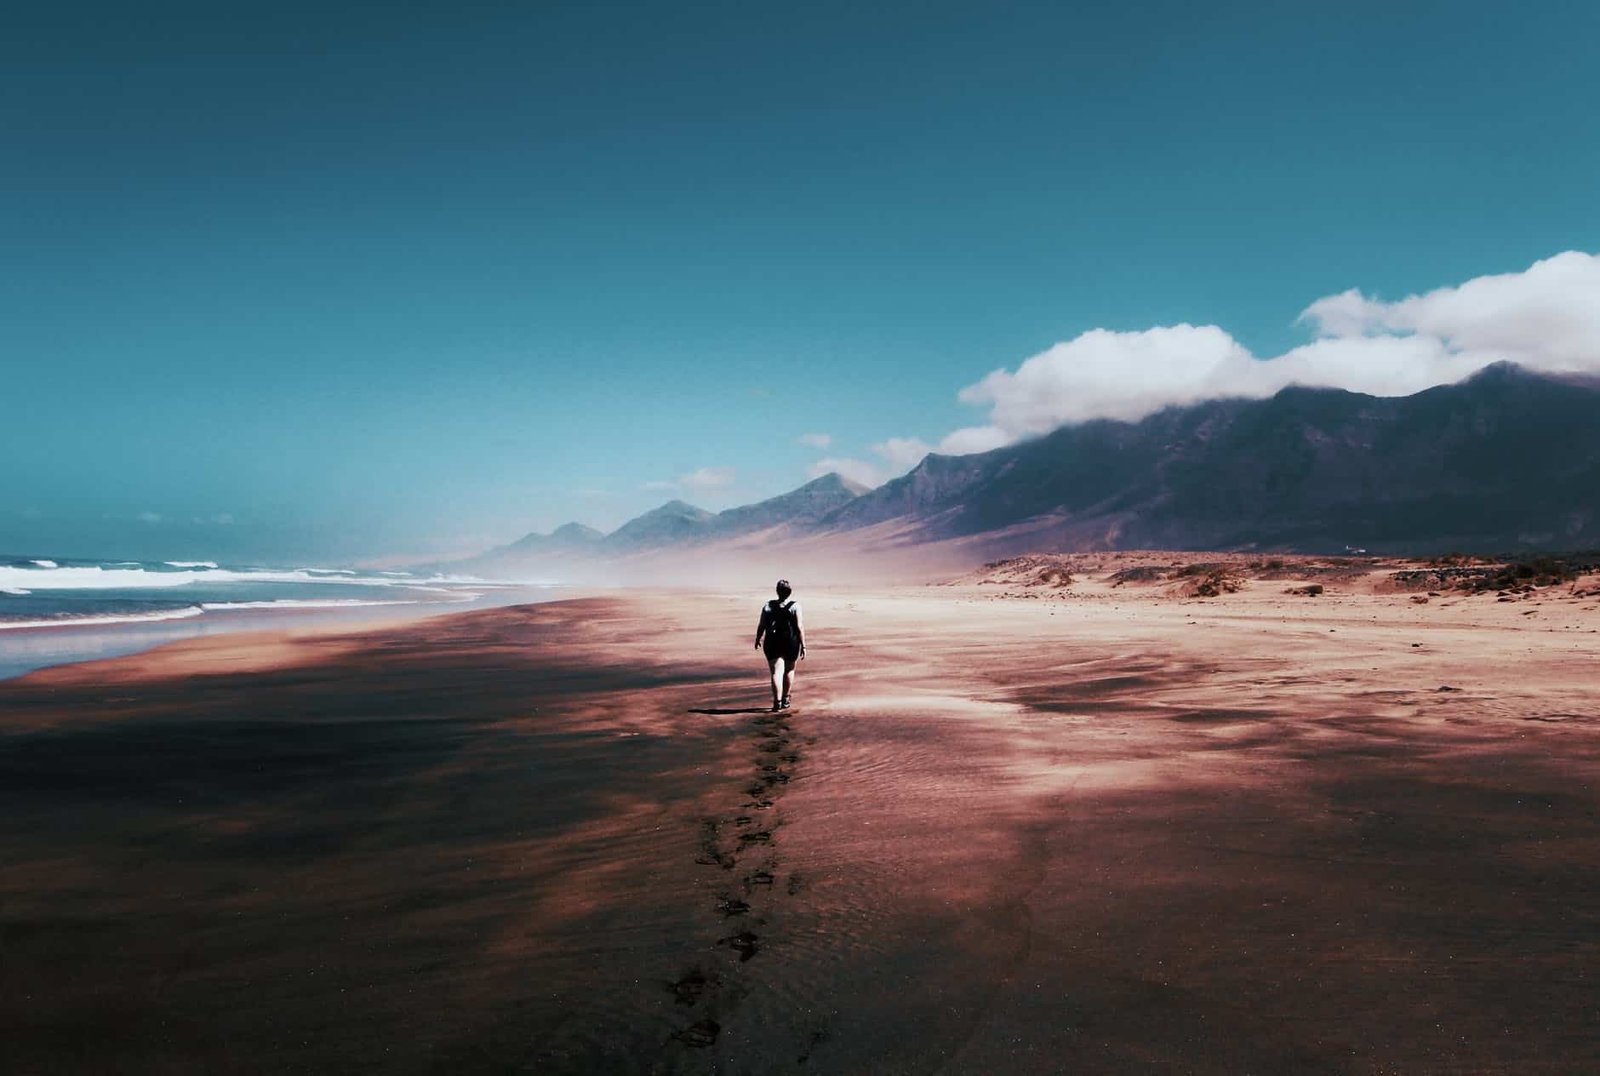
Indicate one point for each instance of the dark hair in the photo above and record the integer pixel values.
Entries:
(784, 589)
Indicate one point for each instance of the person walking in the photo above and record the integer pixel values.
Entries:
(781, 638)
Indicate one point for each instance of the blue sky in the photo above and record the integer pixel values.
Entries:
(346, 280)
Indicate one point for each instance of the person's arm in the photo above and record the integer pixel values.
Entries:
(761, 627)
(799, 630)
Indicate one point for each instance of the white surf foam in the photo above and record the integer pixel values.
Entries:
(183, 563)
(89, 621)
(94, 577)
(297, 603)
(17, 591)
(46, 563)
(91, 578)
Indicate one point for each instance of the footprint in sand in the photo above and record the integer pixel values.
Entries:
(711, 852)
(744, 943)
(700, 1034)
(696, 985)
(693, 984)
(817, 1037)
(770, 775)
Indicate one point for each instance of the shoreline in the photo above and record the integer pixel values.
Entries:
(1101, 829)
(26, 646)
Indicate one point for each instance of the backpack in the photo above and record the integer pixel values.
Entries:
(780, 624)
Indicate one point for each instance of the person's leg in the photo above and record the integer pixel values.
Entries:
(788, 681)
(779, 678)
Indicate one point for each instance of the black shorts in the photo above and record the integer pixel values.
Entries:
(789, 654)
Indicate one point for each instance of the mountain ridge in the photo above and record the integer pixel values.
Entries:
(678, 522)
(1310, 469)
(1505, 459)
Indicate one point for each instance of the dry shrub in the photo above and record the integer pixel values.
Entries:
(1219, 580)
(1457, 560)
(1524, 575)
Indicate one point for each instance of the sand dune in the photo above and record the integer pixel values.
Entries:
(1015, 825)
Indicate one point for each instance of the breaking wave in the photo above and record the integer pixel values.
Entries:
(188, 611)
(302, 603)
(113, 618)
(96, 577)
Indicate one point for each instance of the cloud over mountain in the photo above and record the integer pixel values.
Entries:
(704, 480)
(1104, 374)
(709, 478)
(1545, 318)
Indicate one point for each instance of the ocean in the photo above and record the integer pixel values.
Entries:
(57, 610)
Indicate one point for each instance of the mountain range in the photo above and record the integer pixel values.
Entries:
(677, 524)
(1504, 460)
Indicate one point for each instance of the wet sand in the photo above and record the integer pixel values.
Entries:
(1090, 829)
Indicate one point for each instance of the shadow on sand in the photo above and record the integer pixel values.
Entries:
(724, 713)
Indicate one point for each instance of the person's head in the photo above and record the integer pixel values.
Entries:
(784, 590)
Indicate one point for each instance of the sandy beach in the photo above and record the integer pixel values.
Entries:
(1014, 824)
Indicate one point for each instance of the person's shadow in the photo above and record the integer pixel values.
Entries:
(724, 713)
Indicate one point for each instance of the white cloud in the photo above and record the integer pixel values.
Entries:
(1546, 317)
(972, 439)
(862, 471)
(708, 478)
(1377, 365)
(816, 440)
(896, 456)
(1104, 374)
(901, 454)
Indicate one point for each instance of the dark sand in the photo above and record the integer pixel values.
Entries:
(1103, 832)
